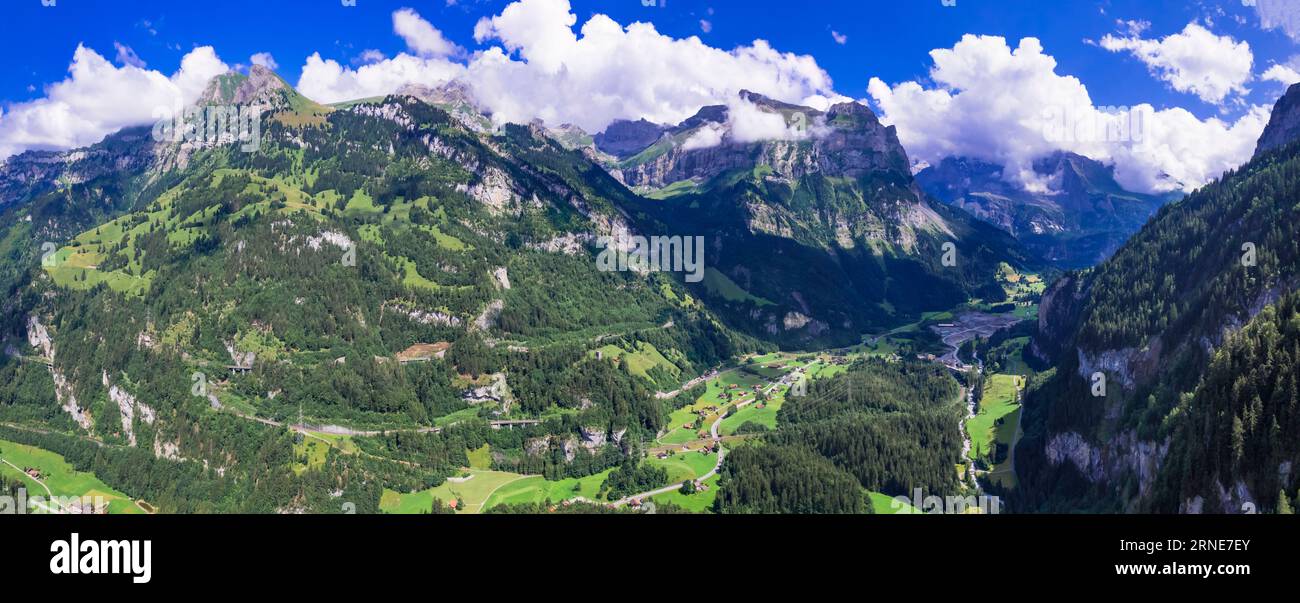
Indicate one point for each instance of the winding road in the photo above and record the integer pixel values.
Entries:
(717, 439)
(48, 494)
(722, 454)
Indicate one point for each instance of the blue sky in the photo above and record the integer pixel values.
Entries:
(886, 39)
(1208, 69)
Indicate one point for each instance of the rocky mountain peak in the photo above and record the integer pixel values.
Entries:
(452, 93)
(1284, 126)
(260, 86)
(625, 138)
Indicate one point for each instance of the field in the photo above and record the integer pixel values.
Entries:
(536, 489)
(699, 502)
(998, 416)
(308, 454)
(885, 504)
(720, 285)
(481, 458)
(640, 361)
(60, 477)
(751, 413)
(682, 466)
(474, 491)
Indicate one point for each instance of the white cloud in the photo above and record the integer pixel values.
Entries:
(540, 67)
(127, 56)
(706, 137)
(1135, 27)
(98, 98)
(420, 36)
(1281, 74)
(824, 103)
(706, 25)
(1194, 61)
(264, 59)
(326, 81)
(370, 55)
(840, 38)
(750, 123)
(1010, 107)
(1280, 14)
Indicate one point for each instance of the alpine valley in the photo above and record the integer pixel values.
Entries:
(394, 304)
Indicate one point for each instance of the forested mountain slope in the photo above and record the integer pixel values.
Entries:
(374, 267)
(880, 427)
(1150, 320)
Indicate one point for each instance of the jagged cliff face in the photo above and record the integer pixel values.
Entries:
(1284, 126)
(1080, 221)
(128, 152)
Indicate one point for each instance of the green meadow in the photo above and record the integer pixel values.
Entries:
(997, 404)
(60, 477)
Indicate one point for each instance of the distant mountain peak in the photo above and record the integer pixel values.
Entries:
(238, 88)
(624, 138)
(456, 98)
(1284, 125)
(1079, 220)
(260, 86)
(454, 92)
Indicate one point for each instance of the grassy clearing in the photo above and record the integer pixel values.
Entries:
(481, 458)
(685, 465)
(998, 404)
(309, 454)
(700, 502)
(1004, 473)
(722, 286)
(537, 489)
(639, 362)
(443, 239)
(474, 491)
(752, 413)
(60, 477)
(885, 504)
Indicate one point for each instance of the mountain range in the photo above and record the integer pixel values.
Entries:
(1080, 220)
(173, 305)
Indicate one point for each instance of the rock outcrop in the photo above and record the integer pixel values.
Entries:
(1284, 125)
